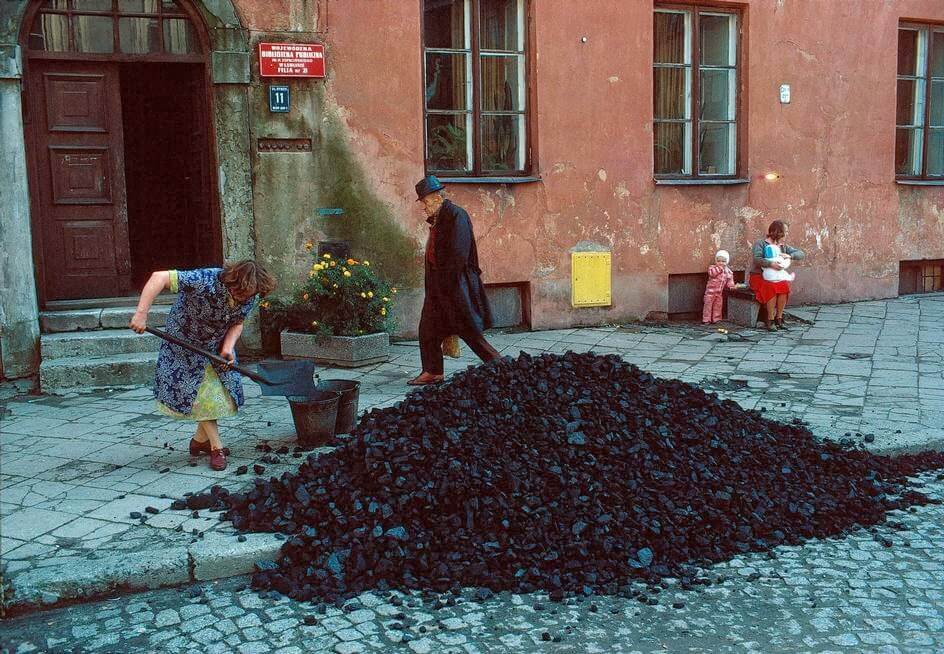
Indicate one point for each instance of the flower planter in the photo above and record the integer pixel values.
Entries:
(344, 351)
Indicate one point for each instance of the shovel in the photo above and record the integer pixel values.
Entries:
(274, 377)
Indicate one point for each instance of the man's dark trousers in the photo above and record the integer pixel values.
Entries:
(431, 337)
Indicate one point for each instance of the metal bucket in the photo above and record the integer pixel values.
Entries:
(347, 406)
(314, 416)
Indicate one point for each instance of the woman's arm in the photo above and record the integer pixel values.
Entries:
(159, 281)
(759, 259)
(794, 253)
(228, 347)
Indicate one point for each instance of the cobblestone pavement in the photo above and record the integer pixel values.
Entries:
(871, 591)
(73, 468)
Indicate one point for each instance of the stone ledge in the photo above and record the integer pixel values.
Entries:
(215, 557)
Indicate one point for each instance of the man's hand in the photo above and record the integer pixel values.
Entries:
(138, 322)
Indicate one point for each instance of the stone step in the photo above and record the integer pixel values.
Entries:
(80, 320)
(70, 373)
(98, 343)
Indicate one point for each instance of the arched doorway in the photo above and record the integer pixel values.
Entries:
(119, 144)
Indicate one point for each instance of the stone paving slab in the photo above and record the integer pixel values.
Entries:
(74, 467)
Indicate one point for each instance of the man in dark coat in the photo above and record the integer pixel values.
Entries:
(455, 302)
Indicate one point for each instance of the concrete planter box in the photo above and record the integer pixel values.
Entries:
(345, 351)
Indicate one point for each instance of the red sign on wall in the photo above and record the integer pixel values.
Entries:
(291, 60)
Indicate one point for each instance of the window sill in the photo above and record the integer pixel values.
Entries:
(920, 182)
(701, 181)
(489, 180)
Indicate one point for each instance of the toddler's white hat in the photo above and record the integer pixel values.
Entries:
(723, 254)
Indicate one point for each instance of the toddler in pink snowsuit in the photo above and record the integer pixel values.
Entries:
(720, 277)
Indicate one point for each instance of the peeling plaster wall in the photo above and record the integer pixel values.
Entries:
(833, 147)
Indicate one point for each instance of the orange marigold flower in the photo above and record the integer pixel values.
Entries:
(351, 262)
(305, 296)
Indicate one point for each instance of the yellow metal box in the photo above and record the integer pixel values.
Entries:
(591, 279)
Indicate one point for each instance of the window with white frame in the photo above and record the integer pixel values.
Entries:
(695, 92)
(475, 87)
(919, 133)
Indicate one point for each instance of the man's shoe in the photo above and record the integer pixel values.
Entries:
(197, 448)
(217, 460)
(425, 378)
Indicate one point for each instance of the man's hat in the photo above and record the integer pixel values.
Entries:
(427, 185)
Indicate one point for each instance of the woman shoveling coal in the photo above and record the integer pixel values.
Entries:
(211, 305)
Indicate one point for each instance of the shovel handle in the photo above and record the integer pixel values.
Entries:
(216, 358)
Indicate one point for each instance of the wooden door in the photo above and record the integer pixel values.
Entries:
(78, 179)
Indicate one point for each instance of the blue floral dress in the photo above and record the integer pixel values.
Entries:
(187, 385)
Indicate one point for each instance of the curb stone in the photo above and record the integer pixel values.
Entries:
(214, 557)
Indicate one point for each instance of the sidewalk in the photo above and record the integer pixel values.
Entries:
(74, 468)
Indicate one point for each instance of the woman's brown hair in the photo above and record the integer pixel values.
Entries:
(777, 230)
(246, 278)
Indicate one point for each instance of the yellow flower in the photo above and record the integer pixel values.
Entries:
(393, 290)
(386, 299)
(347, 273)
(370, 294)
(317, 267)
(335, 285)
(314, 323)
(309, 245)
(364, 295)
(366, 262)
(311, 275)
(383, 311)
(264, 305)
(326, 255)
(334, 263)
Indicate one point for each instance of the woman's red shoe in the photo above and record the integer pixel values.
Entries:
(218, 460)
(197, 448)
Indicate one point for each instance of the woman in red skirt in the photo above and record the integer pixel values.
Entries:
(772, 295)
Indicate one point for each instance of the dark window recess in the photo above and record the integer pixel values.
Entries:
(475, 87)
(920, 276)
(510, 304)
(696, 92)
(687, 294)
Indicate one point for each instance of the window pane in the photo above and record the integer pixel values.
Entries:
(908, 145)
(137, 6)
(716, 148)
(179, 36)
(447, 143)
(671, 147)
(138, 35)
(171, 7)
(91, 5)
(448, 85)
(936, 152)
(56, 4)
(910, 109)
(669, 45)
(937, 104)
(717, 40)
(50, 33)
(717, 94)
(502, 83)
(500, 26)
(908, 52)
(445, 24)
(937, 55)
(671, 92)
(502, 143)
(93, 34)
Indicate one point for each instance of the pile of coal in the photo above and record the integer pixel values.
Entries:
(568, 473)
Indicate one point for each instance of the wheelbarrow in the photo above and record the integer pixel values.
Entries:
(288, 378)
